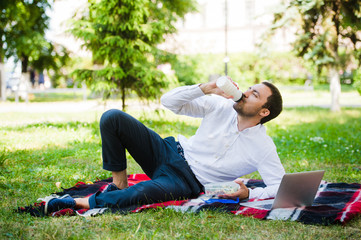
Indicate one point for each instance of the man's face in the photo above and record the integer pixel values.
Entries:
(253, 100)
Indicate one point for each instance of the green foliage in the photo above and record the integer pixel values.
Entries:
(22, 36)
(123, 37)
(357, 81)
(23, 25)
(323, 27)
(245, 68)
(186, 70)
(24, 32)
(192, 69)
(324, 31)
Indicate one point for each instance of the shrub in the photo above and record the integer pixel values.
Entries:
(245, 68)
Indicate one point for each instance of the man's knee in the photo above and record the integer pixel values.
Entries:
(110, 116)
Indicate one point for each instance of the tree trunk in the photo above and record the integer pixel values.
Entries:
(24, 86)
(2, 73)
(25, 78)
(24, 64)
(2, 82)
(335, 89)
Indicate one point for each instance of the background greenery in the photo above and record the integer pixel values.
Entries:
(42, 148)
(247, 68)
(125, 56)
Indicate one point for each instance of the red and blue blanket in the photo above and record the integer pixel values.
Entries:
(335, 203)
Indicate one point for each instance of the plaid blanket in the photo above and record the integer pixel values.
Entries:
(335, 203)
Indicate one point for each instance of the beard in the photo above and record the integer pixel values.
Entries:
(243, 111)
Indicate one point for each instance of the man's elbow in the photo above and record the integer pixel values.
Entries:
(167, 102)
(164, 100)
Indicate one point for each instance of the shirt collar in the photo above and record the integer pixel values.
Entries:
(247, 130)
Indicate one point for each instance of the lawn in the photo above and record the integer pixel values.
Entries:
(39, 149)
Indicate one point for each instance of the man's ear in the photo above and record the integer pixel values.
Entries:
(264, 112)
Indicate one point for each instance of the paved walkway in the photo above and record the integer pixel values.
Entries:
(89, 105)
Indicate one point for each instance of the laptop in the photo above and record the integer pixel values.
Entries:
(296, 190)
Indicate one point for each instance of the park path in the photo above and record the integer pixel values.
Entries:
(70, 106)
(95, 105)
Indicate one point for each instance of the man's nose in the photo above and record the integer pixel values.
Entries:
(247, 93)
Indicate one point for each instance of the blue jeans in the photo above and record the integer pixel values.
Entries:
(171, 176)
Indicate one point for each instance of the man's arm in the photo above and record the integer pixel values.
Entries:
(244, 192)
(186, 99)
(182, 100)
(271, 171)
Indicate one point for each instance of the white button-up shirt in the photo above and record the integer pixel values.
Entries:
(219, 152)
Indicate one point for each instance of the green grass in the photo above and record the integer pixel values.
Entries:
(39, 149)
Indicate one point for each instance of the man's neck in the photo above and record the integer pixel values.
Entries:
(244, 122)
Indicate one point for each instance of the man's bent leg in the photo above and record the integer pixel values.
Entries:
(165, 188)
(120, 131)
(159, 158)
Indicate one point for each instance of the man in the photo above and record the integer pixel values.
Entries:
(230, 142)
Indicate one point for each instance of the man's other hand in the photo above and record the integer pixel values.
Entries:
(242, 193)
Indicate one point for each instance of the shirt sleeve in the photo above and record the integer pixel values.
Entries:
(271, 171)
(185, 100)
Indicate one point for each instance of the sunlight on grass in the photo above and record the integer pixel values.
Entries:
(34, 138)
(297, 97)
(27, 118)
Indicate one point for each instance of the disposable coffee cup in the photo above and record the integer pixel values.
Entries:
(229, 87)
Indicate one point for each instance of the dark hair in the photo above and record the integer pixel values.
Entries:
(273, 104)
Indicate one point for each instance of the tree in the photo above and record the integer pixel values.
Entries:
(327, 31)
(26, 35)
(8, 12)
(123, 36)
(23, 31)
(53, 57)
(22, 36)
